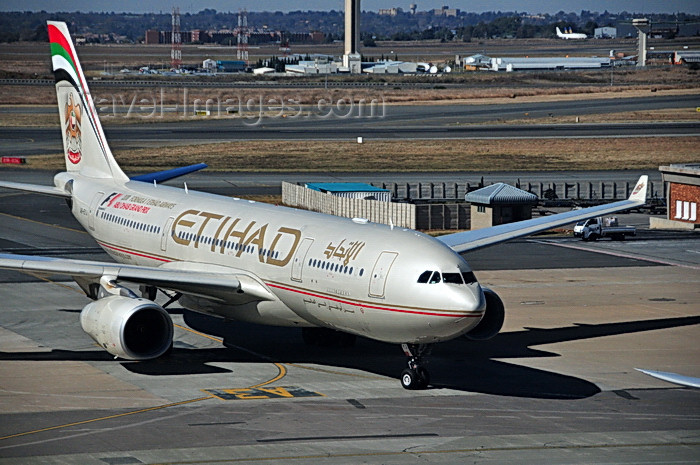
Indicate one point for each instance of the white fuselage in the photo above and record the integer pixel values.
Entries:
(323, 270)
(572, 36)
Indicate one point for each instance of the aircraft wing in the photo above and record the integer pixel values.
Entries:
(35, 188)
(674, 378)
(478, 238)
(162, 176)
(225, 287)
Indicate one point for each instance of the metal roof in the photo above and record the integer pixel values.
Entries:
(517, 63)
(343, 187)
(689, 56)
(692, 169)
(500, 194)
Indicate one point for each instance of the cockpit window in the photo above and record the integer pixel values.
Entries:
(424, 276)
(434, 277)
(469, 277)
(430, 277)
(452, 278)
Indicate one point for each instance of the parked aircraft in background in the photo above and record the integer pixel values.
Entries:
(570, 35)
(336, 278)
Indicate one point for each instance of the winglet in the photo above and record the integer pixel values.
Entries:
(639, 193)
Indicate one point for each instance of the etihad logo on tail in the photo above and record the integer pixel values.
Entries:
(73, 116)
(639, 187)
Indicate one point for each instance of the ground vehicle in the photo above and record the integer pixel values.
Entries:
(595, 228)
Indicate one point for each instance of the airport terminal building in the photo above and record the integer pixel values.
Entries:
(682, 183)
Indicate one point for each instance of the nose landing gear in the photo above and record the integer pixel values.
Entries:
(415, 376)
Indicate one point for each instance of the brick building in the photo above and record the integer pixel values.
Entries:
(682, 183)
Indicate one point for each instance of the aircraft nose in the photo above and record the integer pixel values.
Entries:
(466, 302)
(471, 298)
(464, 308)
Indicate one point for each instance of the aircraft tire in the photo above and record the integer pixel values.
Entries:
(409, 379)
(414, 379)
(424, 377)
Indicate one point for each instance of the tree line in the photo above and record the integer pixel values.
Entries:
(465, 26)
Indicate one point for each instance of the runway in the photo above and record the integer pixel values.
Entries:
(558, 385)
(399, 122)
(474, 112)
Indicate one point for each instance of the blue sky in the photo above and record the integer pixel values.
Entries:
(536, 6)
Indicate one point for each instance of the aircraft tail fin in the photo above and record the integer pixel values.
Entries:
(639, 193)
(84, 143)
(559, 32)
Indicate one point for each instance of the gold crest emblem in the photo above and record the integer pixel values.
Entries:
(72, 124)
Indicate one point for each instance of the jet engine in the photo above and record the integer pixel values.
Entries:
(492, 321)
(133, 329)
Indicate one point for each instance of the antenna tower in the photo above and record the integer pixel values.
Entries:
(176, 47)
(242, 34)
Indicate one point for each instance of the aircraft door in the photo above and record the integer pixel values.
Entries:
(166, 233)
(300, 258)
(377, 281)
(93, 209)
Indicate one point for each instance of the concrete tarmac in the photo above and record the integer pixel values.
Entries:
(558, 385)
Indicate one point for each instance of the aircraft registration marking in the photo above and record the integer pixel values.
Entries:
(262, 393)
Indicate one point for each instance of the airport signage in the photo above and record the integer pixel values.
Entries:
(13, 160)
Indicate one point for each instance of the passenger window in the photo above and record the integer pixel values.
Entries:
(452, 278)
(469, 277)
(423, 278)
(435, 278)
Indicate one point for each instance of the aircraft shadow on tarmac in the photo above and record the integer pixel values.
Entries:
(458, 364)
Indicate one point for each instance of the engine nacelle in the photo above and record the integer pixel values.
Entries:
(492, 321)
(134, 329)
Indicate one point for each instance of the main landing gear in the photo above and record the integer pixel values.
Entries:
(415, 376)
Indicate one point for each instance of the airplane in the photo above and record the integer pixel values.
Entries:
(336, 278)
(674, 378)
(570, 35)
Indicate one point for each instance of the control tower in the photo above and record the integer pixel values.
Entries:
(351, 57)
